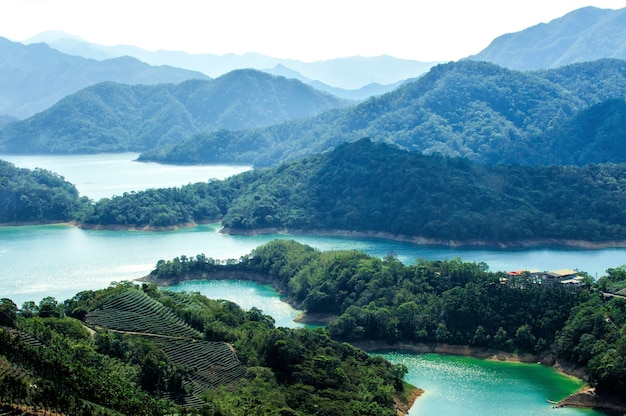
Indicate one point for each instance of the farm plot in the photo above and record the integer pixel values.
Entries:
(134, 311)
(210, 364)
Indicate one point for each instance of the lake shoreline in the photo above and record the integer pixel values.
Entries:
(591, 245)
(585, 397)
(402, 238)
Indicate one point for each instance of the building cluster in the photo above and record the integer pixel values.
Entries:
(561, 277)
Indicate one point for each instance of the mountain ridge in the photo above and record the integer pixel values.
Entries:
(347, 73)
(34, 77)
(585, 34)
(471, 109)
(113, 117)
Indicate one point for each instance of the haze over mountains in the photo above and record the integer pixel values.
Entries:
(583, 35)
(34, 77)
(349, 73)
(478, 110)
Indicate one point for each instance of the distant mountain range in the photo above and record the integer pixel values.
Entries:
(343, 74)
(477, 110)
(112, 117)
(585, 34)
(34, 77)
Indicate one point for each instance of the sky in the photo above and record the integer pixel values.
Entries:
(307, 30)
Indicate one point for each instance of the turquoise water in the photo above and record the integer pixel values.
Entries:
(247, 295)
(59, 261)
(467, 386)
(104, 175)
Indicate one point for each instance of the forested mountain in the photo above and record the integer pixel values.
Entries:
(34, 77)
(477, 110)
(348, 73)
(376, 188)
(37, 196)
(110, 117)
(151, 352)
(586, 34)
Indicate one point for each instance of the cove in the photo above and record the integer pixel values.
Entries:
(453, 385)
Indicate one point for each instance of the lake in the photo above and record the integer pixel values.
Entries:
(59, 261)
(104, 175)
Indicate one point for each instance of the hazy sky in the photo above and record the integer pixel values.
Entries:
(433, 30)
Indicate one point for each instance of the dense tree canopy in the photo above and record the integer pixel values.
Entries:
(357, 187)
(35, 196)
(111, 117)
(154, 352)
(476, 110)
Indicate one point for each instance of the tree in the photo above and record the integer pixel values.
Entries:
(8, 312)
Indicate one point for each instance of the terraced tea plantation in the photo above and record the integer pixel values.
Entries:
(134, 311)
(209, 364)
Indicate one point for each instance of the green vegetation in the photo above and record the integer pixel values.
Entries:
(111, 117)
(154, 352)
(443, 302)
(476, 110)
(35, 196)
(357, 187)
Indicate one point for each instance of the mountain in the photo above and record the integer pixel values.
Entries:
(359, 94)
(586, 34)
(111, 117)
(348, 73)
(477, 110)
(34, 77)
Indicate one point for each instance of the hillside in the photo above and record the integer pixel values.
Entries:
(477, 110)
(586, 34)
(151, 352)
(110, 117)
(35, 196)
(34, 77)
(357, 188)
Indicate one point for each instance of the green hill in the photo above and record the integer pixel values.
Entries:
(233, 362)
(379, 189)
(110, 117)
(471, 109)
(36, 196)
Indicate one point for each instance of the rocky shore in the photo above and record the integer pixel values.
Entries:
(589, 398)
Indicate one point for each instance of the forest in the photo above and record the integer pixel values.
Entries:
(476, 110)
(450, 301)
(36, 196)
(114, 117)
(356, 187)
(138, 350)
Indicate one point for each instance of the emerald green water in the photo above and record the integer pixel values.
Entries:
(468, 386)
